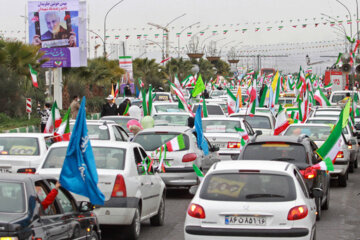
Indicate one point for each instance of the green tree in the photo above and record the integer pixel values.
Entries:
(150, 72)
(222, 67)
(180, 67)
(207, 70)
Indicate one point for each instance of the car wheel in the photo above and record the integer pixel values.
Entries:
(132, 232)
(318, 208)
(326, 205)
(158, 219)
(93, 236)
(351, 167)
(343, 180)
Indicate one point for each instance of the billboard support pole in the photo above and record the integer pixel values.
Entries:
(58, 86)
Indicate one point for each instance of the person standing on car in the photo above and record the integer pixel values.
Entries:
(44, 114)
(75, 106)
(109, 108)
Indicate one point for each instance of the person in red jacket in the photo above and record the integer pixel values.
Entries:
(50, 198)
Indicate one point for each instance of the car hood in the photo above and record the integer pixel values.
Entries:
(11, 222)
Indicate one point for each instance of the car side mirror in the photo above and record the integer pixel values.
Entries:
(357, 126)
(316, 192)
(258, 132)
(193, 189)
(215, 148)
(85, 206)
(140, 169)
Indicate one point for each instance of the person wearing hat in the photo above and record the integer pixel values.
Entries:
(110, 107)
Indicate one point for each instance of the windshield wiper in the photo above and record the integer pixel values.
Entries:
(261, 195)
(283, 159)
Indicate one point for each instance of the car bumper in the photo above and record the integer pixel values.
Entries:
(117, 211)
(229, 155)
(176, 177)
(197, 232)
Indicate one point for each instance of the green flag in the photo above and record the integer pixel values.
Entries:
(205, 113)
(199, 87)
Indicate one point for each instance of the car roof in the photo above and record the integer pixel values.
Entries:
(220, 118)
(243, 111)
(98, 122)
(99, 143)
(30, 135)
(21, 177)
(172, 113)
(323, 118)
(309, 124)
(164, 103)
(290, 139)
(251, 165)
(166, 129)
(116, 117)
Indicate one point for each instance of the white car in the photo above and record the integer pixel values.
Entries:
(252, 200)
(166, 107)
(163, 97)
(179, 171)
(104, 130)
(221, 132)
(22, 151)
(171, 119)
(263, 121)
(213, 110)
(219, 101)
(131, 195)
(337, 96)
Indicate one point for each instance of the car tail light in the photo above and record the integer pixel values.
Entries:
(234, 145)
(27, 170)
(297, 213)
(340, 155)
(196, 211)
(119, 189)
(309, 173)
(9, 238)
(189, 157)
(350, 146)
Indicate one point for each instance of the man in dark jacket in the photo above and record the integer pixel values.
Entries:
(123, 106)
(109, 108)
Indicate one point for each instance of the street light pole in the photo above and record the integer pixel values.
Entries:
(349, 15)
(104, 41)
(180, 35)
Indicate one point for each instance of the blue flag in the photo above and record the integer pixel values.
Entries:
(78, 173)
(201, 141)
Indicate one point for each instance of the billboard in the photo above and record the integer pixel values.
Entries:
(59, 28)
(125, 62)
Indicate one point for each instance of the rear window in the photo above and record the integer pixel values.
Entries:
(179, 120)
(316, 133)
(280, 151)
(105, 158)
(257, 121)
(12, 197)
(151, 141)
(168, 108)
(248, 187)
(25, 146)
(95, 133)
(220, 126)
(324, 121)
(212, 110)
(162, 97)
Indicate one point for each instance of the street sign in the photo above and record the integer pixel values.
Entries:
(28, 105)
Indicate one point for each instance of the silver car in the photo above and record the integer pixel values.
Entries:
(263, 121)
(178, 164)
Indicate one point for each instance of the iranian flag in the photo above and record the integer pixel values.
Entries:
(117, 88)
(328, 87)
(176, 144)
(33, 74)
(321, 98)
(251, 72)
(231, 102)
(252, 99)
(332, 145)
(189, 81)
(282, 122)
(326, 165)
(63, 132)
(177, 82)
(243, 134)
(141, 84)
(149, 98)
(54, 119)
(181, 98)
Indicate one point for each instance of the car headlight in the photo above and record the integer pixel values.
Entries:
(9, 238)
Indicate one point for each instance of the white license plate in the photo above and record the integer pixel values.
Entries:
(220, 145)
(5, 170)
(244, 220)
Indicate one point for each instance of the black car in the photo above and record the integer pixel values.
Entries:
(301, 151)
(22, 216)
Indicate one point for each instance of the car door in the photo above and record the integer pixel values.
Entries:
(155, 184)
(123, 133)
(309, 201)
(144, 184)
(69, 209)
(51, 218)
(117, 134)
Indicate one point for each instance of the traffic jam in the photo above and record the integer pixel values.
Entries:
(259, 155)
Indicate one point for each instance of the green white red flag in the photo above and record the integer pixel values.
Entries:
(181, 98)
(176, 144)
(33, 74)
(63, 132)
(231, 102)
(282, 122)
(54, 119)
(320, 97)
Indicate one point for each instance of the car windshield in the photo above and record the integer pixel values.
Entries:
(150, 141)
(257, 121)
(325, 121)
(316, 133)
(120, 121)
(224, 107)
(105, 157)
(96, 132)
(338, 97)
(248, 187)
(162, 97)
(281, 151)
(168, 108)
(12, 197)
(220, 126)
(178, 120)
(26, 146)
(217, 93)
(212, 110)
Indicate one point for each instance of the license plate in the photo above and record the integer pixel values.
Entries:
(5, 170)
(220, 145)
(244, 220)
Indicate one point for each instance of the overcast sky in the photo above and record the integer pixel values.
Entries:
(131, 18)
